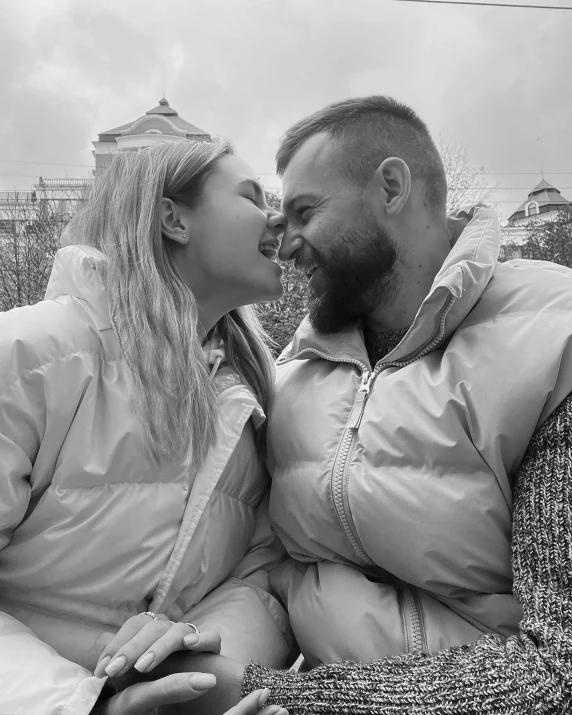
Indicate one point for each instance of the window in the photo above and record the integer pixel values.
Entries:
(532, 208)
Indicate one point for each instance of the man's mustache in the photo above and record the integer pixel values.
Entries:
(307, 259)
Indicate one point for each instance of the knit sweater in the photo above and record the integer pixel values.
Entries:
(378, 345)
(530, 672)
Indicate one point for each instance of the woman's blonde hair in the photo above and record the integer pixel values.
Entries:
(153, 310)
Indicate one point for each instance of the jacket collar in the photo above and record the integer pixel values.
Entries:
(475, 240)
(79, 271)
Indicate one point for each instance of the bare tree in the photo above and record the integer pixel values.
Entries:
(30, 230)
(467, 184)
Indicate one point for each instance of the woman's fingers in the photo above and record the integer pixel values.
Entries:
(207, 642)
(173, 640)
(141, 698)
(143, 643)
(251, 704)
(134, 639)
(124, 634)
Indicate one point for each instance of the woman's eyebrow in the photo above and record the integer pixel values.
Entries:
(250, 183)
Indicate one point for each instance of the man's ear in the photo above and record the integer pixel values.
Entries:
(174, 224)
(392, 185)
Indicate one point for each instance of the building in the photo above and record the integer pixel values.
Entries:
(53, 200)
(61, 197)
(160, 123)
(32, 221)
(543, 203)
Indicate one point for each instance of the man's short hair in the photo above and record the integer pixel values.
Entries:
(368, 130)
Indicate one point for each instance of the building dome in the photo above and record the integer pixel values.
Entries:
(160, 123)
(543, 199)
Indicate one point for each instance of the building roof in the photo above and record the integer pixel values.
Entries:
(163, 118)
(543, 194)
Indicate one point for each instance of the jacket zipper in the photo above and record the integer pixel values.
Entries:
(413, 628)
(339, 478)
(340, 470)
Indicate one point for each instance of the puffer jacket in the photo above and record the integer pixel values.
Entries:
(92, 534)
(392, 484)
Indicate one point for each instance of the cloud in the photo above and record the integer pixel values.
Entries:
(490, 79)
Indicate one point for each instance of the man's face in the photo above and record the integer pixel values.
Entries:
(333, 235)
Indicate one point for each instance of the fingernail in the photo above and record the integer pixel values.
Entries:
(264, 695)
(202, 681)
(190, 640)
(101, 665)
(116, 666)
(144, 662)
(282, 711)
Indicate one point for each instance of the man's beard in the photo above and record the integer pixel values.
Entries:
(355, 277)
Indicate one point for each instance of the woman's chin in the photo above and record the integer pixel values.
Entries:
(271, 289)
(270, 295)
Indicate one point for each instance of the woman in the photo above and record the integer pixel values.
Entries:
(131, 402)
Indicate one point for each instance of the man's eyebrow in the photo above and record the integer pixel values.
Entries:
(289, 203)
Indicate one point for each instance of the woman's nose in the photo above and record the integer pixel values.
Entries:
(277, 222)
(290, 243)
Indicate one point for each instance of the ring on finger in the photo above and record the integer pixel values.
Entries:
(150, 614)
(194, 628)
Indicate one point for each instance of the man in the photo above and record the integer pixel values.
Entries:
(427, 388)
(408, 397)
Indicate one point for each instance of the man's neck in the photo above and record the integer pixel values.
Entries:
(401, 311)
(414, 277)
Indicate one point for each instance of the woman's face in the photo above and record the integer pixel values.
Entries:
(233, 238)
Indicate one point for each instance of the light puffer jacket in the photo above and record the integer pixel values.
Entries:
(392, 489)
(90, 533)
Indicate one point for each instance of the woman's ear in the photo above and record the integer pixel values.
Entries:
(174, 222)
(393, 185)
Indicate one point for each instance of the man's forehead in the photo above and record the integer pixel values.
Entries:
(313, 168)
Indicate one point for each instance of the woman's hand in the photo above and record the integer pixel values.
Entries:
(143, 642)
(251, 704)
(143, 698)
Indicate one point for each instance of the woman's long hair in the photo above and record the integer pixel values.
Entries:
(153, 311)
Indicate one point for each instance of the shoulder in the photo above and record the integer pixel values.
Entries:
(535, 288)
(539, 281)
(36, 335)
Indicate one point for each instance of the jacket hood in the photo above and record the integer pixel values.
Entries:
(474, 233)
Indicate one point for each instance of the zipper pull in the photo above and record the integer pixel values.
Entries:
(354, 419)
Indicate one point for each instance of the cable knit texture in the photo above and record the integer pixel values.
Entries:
(378, 345)
(524, 674)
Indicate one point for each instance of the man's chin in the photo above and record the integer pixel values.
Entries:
(327, 318)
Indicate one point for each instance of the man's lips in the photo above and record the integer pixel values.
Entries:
(308, 268)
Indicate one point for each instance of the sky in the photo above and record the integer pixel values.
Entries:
(493, 80)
